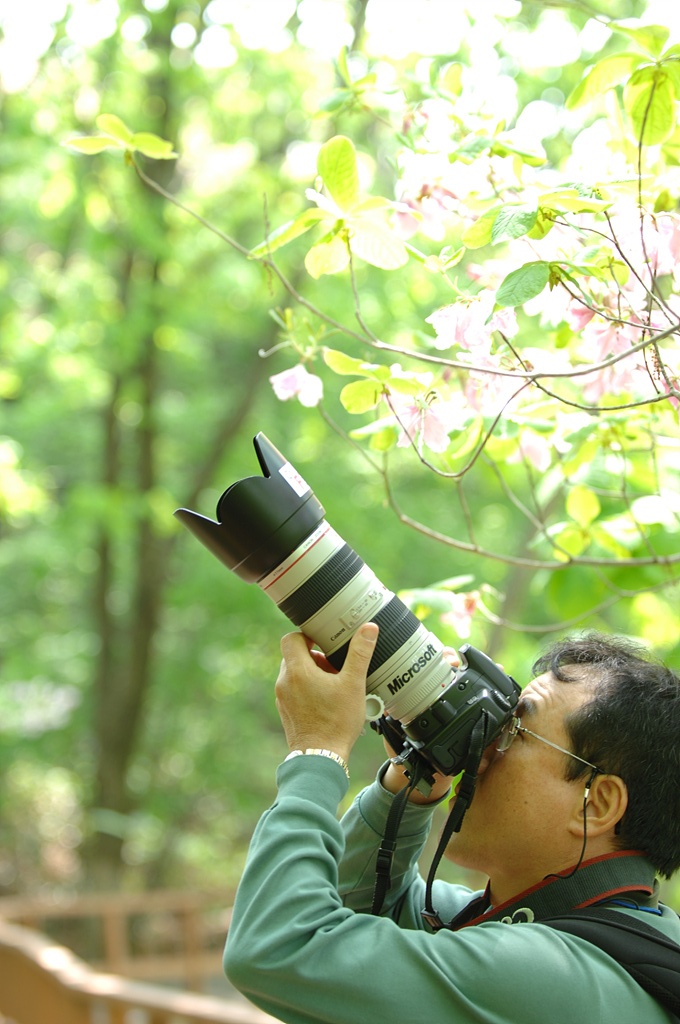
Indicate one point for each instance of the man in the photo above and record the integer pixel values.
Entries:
(581, 806)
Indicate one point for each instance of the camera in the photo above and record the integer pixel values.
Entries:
(271, 530)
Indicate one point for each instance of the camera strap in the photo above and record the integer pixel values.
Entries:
(388, 844)
(466, 791)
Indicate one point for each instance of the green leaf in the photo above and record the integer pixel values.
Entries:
(603, 76)
(471, 147)
(582, 453)
(335, 100)
(545, 221)
(370, 204)
(337, 166)
(451, 80)
(649, 101)
(342, 66)
(382, 434)
(445, 261)
(466, 441)
(152, 146)
(348, 366)
(328, 257)
(361, 395)
(563, 336)
(501, 147)
(671, 149)
(384, 439)
(523, 284)
(513, 222)
(571, 200)
(93, 143)
(664, 202)
(620, 271)
(583, 506)
(479, 233)
(366, 81)
(113, 125)
(405, 386)
(672, 69)
(119, 136)
(572, 541)
(650, 38)
(449, 257)
(377, 245)
(287, 232)
(455, 582)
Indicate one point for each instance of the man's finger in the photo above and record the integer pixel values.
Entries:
(361, 649)
(295, 645)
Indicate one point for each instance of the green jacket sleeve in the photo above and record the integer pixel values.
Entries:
(363, 826)
(299, 954)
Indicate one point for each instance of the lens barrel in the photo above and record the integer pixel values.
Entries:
(328, 591)
(271, 530)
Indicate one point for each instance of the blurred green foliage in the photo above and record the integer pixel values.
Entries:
(132, 382)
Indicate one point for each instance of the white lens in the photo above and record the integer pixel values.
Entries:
(328, 591)
(413, 678)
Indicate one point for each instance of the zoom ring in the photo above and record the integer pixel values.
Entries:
(322, 586)
(397, 625)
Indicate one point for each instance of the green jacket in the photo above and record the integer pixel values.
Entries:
(302, 954)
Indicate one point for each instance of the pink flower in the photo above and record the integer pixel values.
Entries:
(470, 323)
(487, 393)
(656, 242)
(405, 222)
(459, 616)
(578, 315)
(432, 206)
(604, 339)
(423, 422)
(665, 386)
(505, 321)
(298, 383)
(536, 449)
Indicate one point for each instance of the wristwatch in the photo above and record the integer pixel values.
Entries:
(321, 752)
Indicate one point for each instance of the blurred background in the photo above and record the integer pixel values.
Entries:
(138, 732)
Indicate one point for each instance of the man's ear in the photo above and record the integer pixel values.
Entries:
(606, 805)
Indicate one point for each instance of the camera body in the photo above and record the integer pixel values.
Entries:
(271, 530)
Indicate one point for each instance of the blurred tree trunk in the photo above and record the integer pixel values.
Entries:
(133, 556)
(125, 667)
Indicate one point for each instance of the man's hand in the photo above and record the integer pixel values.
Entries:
(318, 706)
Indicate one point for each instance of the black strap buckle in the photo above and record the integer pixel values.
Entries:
(383, 862)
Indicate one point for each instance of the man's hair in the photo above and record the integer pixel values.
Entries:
(630, 728)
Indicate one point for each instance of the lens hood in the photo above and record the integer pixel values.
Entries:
(260, 520)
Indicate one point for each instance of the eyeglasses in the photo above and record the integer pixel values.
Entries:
(514, 726)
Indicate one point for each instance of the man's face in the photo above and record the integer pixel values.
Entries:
(517, 827)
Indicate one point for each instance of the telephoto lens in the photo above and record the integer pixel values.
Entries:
(271, 530)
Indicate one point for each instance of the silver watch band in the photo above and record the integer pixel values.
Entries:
(321, 752)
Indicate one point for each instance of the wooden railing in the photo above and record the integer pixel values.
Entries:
(184, 931)
(43, 983)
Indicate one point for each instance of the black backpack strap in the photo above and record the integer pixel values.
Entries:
(651, 958)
